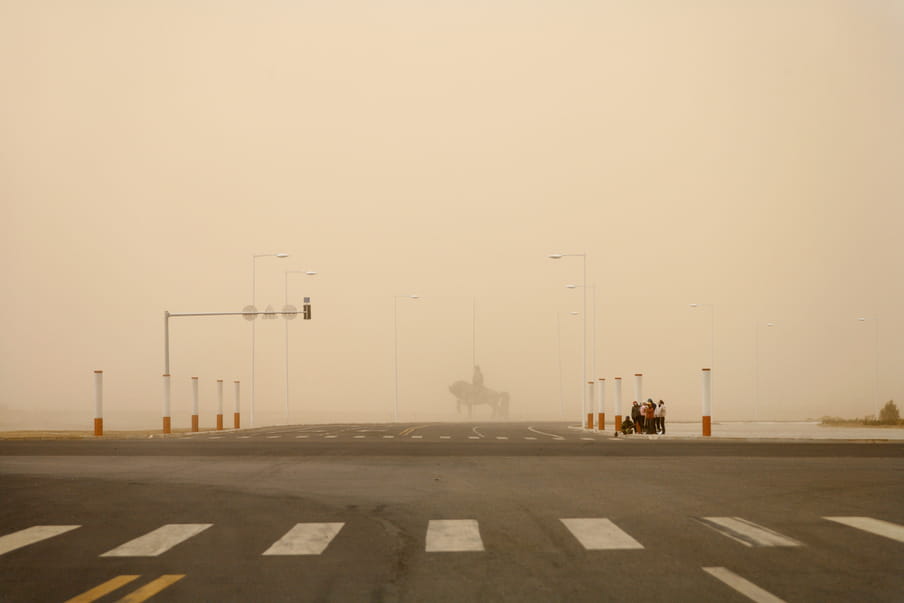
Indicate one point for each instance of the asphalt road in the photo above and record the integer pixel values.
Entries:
(465, 512)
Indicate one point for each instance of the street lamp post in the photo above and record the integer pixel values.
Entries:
(875, 321)
(395, 327)
(712, 331)
(254, 324)
(583, 256)
(288, 272)
(756, 369)
(592, 288)
(559, 342)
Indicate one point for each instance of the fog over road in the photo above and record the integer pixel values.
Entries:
(463, 512)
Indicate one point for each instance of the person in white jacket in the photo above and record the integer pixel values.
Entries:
(660, 417)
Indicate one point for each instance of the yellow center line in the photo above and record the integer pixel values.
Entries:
(103, 589)
(412, 429)
(151, 588)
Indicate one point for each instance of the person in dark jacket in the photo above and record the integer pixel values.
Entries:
(637, 417)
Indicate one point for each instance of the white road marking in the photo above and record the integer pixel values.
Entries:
(215, 438)
(473, 437)
(301, 436)
(244, 437)
(272, 437)
(742, 585)
(748, 533)
(358, 437)
(453, 535)
(329, 437)
(305, 539)
(31, 535)
(501, 437)
(589, 439)
(417, 437)
(159, 541)
(529, 438)
(597, 534)
(478, 433)
(873, 526)
(389, 437)
(445, 437)
(552, 435)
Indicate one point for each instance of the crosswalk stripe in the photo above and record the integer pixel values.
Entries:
(742, 585)
(599, 534)
(103, 589)
(31, 535)
(151, 588)
(453, 535)
(305, 539)
(873, 526)
(747, 532)
(158, 541)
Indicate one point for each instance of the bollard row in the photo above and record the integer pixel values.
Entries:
(597, 392)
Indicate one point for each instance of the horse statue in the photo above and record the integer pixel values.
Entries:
(469, 394)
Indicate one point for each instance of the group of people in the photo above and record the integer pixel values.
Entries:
(647, 418)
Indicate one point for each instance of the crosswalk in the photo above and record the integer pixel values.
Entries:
(442, 535)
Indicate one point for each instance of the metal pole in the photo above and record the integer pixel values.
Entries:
(195, 405)
(219, 404)
(584, 328)
(286, 280)
(561, 389)
(395, 330)
(707, 402)
(253, 329)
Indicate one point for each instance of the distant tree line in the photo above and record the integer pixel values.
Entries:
(888, 415)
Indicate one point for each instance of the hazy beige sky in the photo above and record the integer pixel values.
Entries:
(742, 154)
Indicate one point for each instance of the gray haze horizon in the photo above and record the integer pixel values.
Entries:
(743, 157)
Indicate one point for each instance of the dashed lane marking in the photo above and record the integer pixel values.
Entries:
(305, 539)
(453, 535)
(873, 526)
(273, 437)
(412, 429)
(358, 437)
(301, 436)
(529, 438)
(158, 541)
(501, 437)
(747, 532)
(445, 437)
(330, 437)
(599, 534)
(388, 437)
(31, 535)
(742, 585)
(543, 433)
(417, 437)
(151, 588)
(103, 589)
(478, 433)
(473, 437)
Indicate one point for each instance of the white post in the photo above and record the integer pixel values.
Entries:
(98, 403)
(638, 388)
(167, 392)
(236, 420)
(601, 417)
(195, 404)
(707, 402)
(590, 406)
(618, 413)
(219, 404)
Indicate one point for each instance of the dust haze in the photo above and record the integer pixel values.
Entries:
(741, 156)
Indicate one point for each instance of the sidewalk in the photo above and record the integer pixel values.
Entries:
(803, 430)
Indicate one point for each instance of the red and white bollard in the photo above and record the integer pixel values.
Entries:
(618, 415)
(167, 393)
(589, 424)
(235, 417)
(707, 401)
(195, 405)
(98, 403)
(601, 416)
(219, 405)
